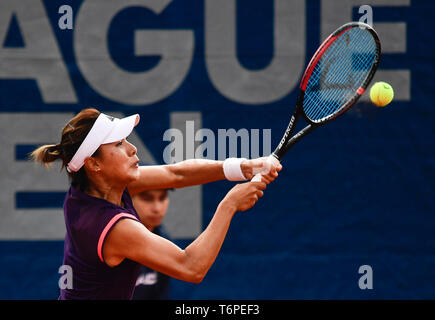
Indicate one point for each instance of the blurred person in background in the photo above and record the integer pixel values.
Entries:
(151, 206)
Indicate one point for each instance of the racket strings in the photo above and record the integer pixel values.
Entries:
(327, 104)
(336, 58)
(359, 62)
(339, 57)
(339, 73)
(326, 99)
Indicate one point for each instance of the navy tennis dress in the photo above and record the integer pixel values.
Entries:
(88, 221)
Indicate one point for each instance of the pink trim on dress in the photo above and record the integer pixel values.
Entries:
(107, 228)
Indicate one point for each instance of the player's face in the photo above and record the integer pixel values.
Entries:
(151, 207)
(118, 162)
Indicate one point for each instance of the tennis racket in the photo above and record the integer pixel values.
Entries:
(336, 77)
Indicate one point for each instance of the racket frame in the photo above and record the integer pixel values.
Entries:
(288, 141)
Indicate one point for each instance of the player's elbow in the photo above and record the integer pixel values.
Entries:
(192, 276)
(195, 275)
(197, 278)
(194, 271)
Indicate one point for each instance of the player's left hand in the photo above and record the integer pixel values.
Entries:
(269, 171)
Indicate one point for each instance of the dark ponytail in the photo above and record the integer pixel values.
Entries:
(47, 154)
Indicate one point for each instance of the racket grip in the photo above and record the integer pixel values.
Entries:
(258, 172)
(256, 178)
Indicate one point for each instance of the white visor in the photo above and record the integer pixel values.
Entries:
(106, 129)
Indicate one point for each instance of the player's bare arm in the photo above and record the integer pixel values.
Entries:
(130, 239)
(193, 172)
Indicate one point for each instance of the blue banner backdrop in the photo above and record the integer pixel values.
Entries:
(356, 192)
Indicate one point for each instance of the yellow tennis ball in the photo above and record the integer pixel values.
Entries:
(381, 94)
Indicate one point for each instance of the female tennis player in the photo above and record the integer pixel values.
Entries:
(105, 243)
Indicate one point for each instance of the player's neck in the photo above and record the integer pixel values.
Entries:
(108, 193)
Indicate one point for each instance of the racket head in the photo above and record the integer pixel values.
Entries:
(339, 72)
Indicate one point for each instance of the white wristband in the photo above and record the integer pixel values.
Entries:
(232, 170)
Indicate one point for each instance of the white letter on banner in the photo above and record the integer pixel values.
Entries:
(259, 86)
(40, 59)
(134, 88)
(30, 223)
(392, 35)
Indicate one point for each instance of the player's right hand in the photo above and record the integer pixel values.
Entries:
(243, 196)
(267, 166)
